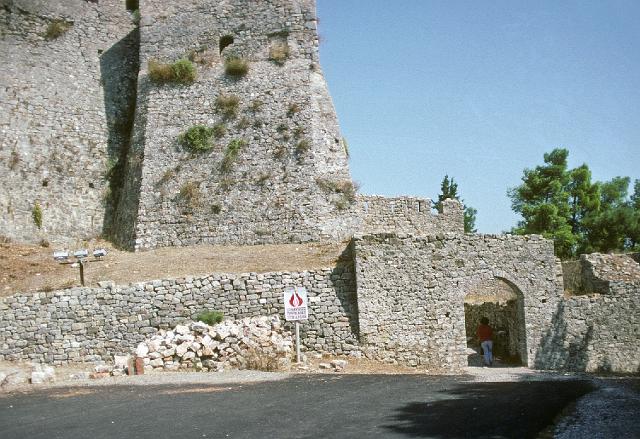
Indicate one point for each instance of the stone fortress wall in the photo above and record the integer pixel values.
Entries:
(411, 292)
(290, 181)
(88, 138)
(402, 302)
(64, 106)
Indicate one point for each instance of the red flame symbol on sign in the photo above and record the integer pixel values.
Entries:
(295, 300)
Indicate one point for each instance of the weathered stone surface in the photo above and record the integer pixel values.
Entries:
(64, 113)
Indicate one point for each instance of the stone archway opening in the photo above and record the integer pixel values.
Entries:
(503, 304)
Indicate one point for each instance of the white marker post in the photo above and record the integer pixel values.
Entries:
(295, 309)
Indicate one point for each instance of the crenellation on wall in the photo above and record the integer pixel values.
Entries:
(410, 215)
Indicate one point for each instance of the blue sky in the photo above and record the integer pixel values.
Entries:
(481, 90)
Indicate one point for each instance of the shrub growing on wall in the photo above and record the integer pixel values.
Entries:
(190, 193)
(56, 29)
(231, 153)
(236, 67)
(227, 105)
(198, 138)
(180, 72)
(278, 53)
(36, 214)
(210, 317)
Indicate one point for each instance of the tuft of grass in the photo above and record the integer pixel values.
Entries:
(279, 53)
(256, 106)
(198, 138)
(210, 317)
(282, 128)
(182, 71)
(227, 105)
(14, 160)
(219, 130)
(243, 124)
(298, 132)
(346, 188)
(56, 29)
(302, 147)
(236, 67)
(135, 16)
(280, 152)
(166, 177)
(258, 360)
(293, 109)
(263, 178)
(190, 193)
(225, 183)
(201, 56)
(346, 146)
(36, 214)
(216, 209)
(231, 153)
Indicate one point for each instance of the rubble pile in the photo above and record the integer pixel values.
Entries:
(251, 343)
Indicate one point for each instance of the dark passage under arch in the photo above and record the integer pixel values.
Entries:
(503, 305)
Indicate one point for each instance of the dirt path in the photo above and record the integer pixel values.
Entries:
(26, 268)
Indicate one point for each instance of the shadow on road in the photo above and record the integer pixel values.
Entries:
(488, 410)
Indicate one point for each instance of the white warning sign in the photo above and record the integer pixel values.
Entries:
(295, 304)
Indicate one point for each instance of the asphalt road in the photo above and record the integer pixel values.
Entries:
(314, 406)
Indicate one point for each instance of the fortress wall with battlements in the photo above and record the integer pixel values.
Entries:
(409, 215)
(65, 102)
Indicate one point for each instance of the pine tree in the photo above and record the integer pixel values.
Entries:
(449, 189)
(580, 216)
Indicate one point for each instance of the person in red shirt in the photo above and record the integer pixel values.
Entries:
(485, 336)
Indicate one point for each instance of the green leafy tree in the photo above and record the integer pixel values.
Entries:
(449, 189)
(581, 216)
(470, 219)
(543, 201)
(612, 226)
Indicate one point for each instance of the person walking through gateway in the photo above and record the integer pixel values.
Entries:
(485, 336)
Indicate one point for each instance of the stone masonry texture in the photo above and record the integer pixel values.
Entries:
(92, 324)
(64, 104)
(289, 181)
(94, 144)
(411, 292)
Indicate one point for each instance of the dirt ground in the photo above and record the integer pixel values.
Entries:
(25, 268)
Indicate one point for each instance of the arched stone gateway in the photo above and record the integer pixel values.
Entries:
(503, 304)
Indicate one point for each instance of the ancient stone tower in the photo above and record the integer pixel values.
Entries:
(98, 138)
(277, 171)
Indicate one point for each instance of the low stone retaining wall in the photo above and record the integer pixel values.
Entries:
(91, 324)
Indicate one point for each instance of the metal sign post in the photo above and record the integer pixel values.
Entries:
(296, 309)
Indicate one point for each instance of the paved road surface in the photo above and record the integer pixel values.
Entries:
(304, 406)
